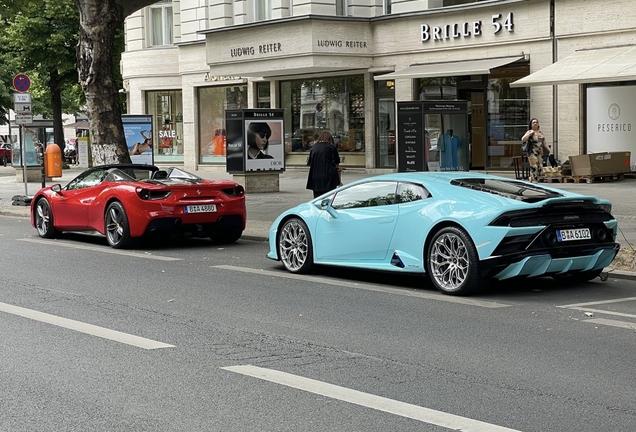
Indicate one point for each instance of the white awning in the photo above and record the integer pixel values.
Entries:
(432, 70)
(587, 66)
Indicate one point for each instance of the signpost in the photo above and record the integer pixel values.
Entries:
(23, 116)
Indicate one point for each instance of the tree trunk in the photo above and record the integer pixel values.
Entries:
(56, 106)
(99, 21)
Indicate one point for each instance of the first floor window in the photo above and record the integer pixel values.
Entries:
(161, 23)
(262, 10)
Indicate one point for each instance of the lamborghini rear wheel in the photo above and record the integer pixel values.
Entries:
(44, 219)
(295, 248)
(452, 262)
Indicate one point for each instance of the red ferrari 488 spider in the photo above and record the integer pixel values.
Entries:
(124, 202)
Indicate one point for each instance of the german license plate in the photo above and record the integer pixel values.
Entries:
(574, 234)
(207, 208)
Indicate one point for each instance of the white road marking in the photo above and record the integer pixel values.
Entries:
(100, 249)
(599, 302)
(604, 312)
(613, 323)
(368, 287)
(83, 327)
(426, 415)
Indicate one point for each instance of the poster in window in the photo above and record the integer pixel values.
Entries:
(139, 138)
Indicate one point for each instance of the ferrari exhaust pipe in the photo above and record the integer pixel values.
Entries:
(177, 222)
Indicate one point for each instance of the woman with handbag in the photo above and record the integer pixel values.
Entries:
(534, 142)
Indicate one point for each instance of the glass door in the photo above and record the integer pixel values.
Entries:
(385, 132)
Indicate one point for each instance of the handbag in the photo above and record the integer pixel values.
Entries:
(525, 146)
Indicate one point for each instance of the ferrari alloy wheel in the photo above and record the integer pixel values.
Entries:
(44, 219)
(453, 263)
(117, 228)
(295, 247)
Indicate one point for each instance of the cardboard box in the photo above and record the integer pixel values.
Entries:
(598, 164)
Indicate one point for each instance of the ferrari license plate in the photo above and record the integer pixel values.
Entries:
(207, 208)
(574, 234)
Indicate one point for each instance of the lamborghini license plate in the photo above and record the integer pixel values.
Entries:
(574, 234)
(207, 208)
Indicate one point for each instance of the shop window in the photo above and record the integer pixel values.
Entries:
(161, 29)
(263, 95)
(508, 115)
(166, 109)
(328, 104)
(213, 101)
(437, 89)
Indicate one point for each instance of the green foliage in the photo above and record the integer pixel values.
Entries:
(39, 38)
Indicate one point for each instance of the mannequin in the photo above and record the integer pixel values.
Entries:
(449, 150)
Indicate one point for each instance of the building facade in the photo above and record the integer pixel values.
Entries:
(343, 65)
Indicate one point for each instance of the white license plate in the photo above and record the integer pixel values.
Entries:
(574, 234)
(207, 208)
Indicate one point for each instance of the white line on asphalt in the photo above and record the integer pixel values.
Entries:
(81, 327)
(379, 403)
(368, 287)
(604, 312)
(100, 249)
(613, 323)
(599, 302)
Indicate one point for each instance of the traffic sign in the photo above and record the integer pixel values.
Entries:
(23, 108)
(23, 119)
(22, 83)
(22, 97)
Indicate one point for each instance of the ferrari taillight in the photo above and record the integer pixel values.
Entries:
(146, 194)
(235, 191)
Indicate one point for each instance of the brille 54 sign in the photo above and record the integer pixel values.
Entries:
(466, 29)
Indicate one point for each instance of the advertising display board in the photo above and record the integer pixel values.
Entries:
(255, 140)
(138, 133)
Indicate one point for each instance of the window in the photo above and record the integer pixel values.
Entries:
(161, 23)
(262, 10)
(263, 95)
(387, 7)
(88, 179)
(366, 195)
(166, 109)
(341, 7)
(409, 192)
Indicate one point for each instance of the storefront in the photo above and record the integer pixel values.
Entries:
(346, 74)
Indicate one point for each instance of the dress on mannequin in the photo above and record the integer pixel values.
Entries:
(449, 150)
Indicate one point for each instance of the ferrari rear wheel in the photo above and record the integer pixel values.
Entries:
(44, 219)
(117, 227)
(452, 262)
(295, 248)
(584, 276)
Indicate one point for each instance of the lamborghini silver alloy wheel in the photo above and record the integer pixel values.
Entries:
(43, 218)
(114, 225)
(449, 261)
(293, 245)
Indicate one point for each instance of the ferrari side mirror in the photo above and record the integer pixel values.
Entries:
(56, 188)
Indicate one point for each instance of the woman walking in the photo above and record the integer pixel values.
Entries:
(324, 166)
(535, 149)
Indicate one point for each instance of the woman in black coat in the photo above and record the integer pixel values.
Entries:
(324, 166)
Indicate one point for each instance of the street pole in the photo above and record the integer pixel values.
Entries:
(23, 157)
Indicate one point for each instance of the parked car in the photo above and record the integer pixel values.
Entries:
(125, 202)
(461, 229)
(5, 153)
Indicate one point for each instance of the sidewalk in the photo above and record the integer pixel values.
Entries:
(263, 208)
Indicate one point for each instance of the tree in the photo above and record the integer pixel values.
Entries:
(99, 22)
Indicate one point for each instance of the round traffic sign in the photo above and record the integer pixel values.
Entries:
(21, 83)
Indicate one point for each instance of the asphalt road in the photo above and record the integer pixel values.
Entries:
(193, 337)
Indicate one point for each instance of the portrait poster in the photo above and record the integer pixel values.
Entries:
(139, 138)
(264, 149)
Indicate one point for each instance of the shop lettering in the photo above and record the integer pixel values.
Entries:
(211, 78)
(614, 127)
(465, 29)
(244, 51)
(167, 134)
(340, 43)
(269, 48)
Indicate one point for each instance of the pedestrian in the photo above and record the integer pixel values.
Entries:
(324, 166)
(536, 146)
